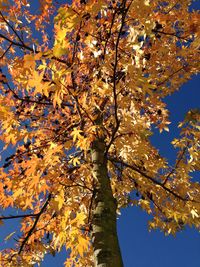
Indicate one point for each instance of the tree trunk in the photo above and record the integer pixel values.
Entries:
(104, 233)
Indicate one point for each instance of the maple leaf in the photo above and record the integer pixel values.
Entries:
(194, 214)
(29, 61)
(82, 245)
(76, 134)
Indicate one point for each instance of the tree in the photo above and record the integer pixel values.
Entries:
(82, 85)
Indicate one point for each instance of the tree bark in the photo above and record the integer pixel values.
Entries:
(104, 231)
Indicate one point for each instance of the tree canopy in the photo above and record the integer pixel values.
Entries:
(81, 86)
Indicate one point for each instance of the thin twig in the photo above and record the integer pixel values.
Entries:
(124, 10)
(171, 34)
(170, 76)
(138, 170)
(109, 33)
(24, 46)
(176, 165)
(11, 27)
(76, 185)
(30, 232)
(28, 100)
(6, 51)
(18, 216)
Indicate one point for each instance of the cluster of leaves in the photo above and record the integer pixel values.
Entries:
(111, 59)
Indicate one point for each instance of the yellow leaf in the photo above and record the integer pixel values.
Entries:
(194, 213)
(60, 199)
(79, 219)
(76, 134)
(9, 236)
(82, 245)
(61, 34)
(75, 161)
(38, 56)
(59, 51)
(29, 61)
(17, 193)
(37, 82)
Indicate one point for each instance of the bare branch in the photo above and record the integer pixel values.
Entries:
(18, 216)
(6, 51)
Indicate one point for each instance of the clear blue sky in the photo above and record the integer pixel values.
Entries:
(141, 248)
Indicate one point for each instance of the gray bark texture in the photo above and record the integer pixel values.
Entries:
(104, 233)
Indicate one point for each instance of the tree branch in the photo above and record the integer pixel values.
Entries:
(76, 185)
(124, 12)
(109, 33)
(30, 232)
(176, 165)
(26, 47)
(138, 170)
(11, 27)
(170, 76)
(6, 51)
(171, 34)
(28, 100)
(18, 216)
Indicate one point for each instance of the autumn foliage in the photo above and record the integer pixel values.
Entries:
(82, 85)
